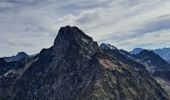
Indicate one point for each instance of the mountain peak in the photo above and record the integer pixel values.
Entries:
(69, 38)
(19, 56)
(136, 50)
(153, 59)
(74, 68)
(23, 54)
(71, 33)
(147, 52)
(107, 46)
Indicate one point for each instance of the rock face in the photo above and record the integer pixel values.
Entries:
(154, 64)
(9, 71)
(153, 60)
(157, 67)
(6, 66)
(75, 68)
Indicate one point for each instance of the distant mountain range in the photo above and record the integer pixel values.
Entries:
(164, 53)
(76, 68)
(18, 57)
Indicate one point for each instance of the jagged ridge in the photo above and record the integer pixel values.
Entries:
(74, 68)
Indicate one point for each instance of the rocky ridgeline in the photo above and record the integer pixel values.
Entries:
(75, 68)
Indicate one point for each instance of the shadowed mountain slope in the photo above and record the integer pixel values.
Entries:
(75, 68)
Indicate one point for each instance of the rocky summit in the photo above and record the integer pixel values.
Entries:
(75, 68)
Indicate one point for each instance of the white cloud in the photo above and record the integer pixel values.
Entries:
(30, 25)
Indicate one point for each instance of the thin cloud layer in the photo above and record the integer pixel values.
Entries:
(30, 25)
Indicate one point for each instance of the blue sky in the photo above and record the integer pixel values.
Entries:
(30, 25)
